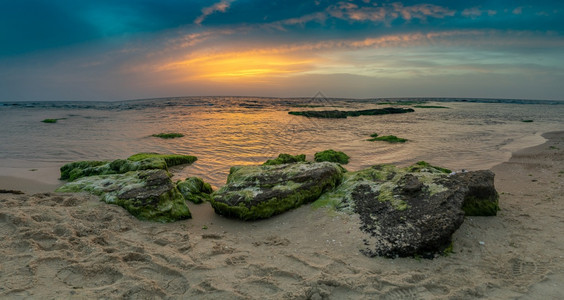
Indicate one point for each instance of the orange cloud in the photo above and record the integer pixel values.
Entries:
(238, 66)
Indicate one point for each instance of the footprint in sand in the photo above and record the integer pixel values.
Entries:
(527, 270)
(6, 226)
(79, 276)
(169, 280)
(19, 277)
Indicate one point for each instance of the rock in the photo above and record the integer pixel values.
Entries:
(141, 161)
(146, 194)
(284, 158)
(481, 198)
(350, 113)
(332, 156)
(194, 189)
(170, 159)
(409, 211)
(258, 192)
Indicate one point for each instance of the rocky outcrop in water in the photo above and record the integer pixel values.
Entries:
(411, 211)
(258, 192)
(339, 114)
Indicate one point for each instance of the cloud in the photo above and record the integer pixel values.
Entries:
(221, 6)
(388, 12)
(476, 12)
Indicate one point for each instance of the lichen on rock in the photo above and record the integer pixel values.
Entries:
(258, 192)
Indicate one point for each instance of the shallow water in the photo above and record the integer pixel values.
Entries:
(227, 131)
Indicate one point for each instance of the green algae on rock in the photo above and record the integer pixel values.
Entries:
(387, 138)
(170, 159)
(482, 198)
(75, 170)
(140, 161)
(338, 114)
(284, 158)
(195, 190)
(332, 156)
(148, 194)
(171, 135)
(423, 166)
(258, 192)
(50, 121)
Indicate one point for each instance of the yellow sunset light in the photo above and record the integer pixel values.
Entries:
(234, 66)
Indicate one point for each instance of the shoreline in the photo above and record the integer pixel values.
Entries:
(44, 178)
(73, 245)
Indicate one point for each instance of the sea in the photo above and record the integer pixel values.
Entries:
(454, 133)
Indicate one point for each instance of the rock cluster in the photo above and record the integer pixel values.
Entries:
(411, 211)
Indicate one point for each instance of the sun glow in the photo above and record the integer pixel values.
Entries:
(236, 66)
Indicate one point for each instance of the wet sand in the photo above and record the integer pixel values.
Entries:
(74, 246)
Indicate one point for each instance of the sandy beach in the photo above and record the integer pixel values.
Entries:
(74, 246)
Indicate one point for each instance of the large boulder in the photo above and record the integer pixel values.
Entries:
(257, 192)
(409, 211)
(147, 194)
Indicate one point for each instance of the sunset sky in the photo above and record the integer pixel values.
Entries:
(117, 50)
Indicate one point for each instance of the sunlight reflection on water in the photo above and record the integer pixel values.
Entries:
(223, 132)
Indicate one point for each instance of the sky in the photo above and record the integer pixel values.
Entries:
(118, 50)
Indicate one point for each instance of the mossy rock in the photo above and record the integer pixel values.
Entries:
(258, 192)
(423, 166)
(195, 190)
(170, 159)
(481, 198)
(171, 135)
(75, 170)
(332, 156)
(387, 138)
(411, 211)
(338, 114)
(70, 171)
(51, 121)
(140, 161)
(284, 158)
(148, 195)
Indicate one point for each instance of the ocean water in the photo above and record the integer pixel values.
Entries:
(227, 131)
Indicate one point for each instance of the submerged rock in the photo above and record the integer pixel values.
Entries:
(140, 161)
(194, 189)
(410, 211)
(258, 192)
(148, 194)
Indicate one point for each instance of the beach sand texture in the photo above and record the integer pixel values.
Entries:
(74, 246)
